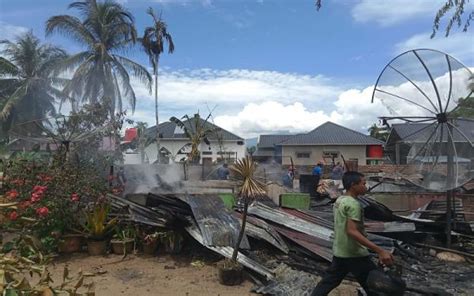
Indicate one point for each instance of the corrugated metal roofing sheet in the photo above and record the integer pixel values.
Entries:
(269, 141)
(218, 226)
(193, 230)
(168, 130)
(420, 132)
(332, 134)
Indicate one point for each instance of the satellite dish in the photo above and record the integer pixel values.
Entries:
(431, 144)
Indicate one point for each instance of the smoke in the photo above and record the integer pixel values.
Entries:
(171, 173)
(145, 178)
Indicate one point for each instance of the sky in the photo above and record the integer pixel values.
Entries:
(267, 66)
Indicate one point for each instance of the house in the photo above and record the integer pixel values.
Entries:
(175, 145)
(328, 142)
(268, 147)
(405, 138)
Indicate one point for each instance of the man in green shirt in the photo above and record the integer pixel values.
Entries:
(350, 247)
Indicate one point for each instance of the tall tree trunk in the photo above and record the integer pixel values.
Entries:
(242, 231)
(157, 60)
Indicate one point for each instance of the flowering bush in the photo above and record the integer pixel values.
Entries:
(48, 200)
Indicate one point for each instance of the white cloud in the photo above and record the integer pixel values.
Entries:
(387, 13)
(187, 91)
(10, 32)
(352, 109)
(460, 45)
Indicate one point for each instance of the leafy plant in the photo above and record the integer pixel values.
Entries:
(250, 188)
(45, 199)
(125, 233)
(97, 226)
(198, 130)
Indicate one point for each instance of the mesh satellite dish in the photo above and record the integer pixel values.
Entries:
(425, 92)
(432, 145)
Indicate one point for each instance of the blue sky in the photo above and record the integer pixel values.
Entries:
(268, 66)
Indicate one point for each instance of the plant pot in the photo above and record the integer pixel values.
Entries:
(150, 248)
(97, 248)
(229, 273)
(70, 243)
(121, 247)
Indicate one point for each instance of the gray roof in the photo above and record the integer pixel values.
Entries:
(169, 130)
(421, 132)
(269, 141)
(332, 134)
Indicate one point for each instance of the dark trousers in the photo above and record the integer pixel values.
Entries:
(340, 267)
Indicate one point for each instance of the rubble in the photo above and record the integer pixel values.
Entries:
(288, 249)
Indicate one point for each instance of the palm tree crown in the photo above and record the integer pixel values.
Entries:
(154, 39)
(153, 42)
(27, 82)
(100, 73)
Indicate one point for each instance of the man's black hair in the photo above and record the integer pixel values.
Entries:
(351, 178)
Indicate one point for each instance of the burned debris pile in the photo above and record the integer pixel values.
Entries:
(286, 250)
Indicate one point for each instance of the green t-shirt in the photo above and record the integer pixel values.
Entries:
(347, 207)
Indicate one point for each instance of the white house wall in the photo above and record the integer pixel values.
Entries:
(316, 153)
(174, 146)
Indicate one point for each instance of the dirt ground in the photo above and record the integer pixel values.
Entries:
(162, 275)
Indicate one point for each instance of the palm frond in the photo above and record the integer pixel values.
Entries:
(70, 26)
(244, 171)
(137, 70)
(8, 68)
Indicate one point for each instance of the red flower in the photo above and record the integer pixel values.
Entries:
(12, 194)
(13, 216)
(35, 197)
(42, 212)
(75, 197)
(39, 189)
(110, 177)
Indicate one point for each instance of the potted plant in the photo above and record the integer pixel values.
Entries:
(123, 241)
(151, 241)
(98, 229)
(230, 271)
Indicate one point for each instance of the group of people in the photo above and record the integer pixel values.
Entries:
(336, 172)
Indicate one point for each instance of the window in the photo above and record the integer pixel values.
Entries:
(303, 154)
(207, 153)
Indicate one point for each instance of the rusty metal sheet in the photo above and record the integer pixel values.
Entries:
(217, 224)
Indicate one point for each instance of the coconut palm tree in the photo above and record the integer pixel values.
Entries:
(197, 130)
(153, 41)
(105, 29)
(28, 85)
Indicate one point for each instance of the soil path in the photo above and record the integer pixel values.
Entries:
(163, 275)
